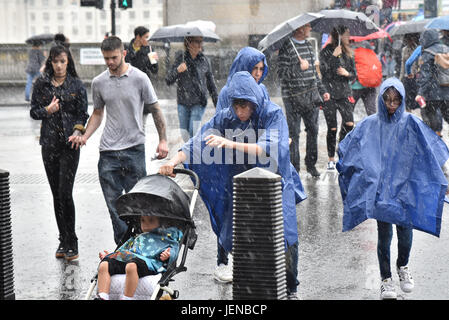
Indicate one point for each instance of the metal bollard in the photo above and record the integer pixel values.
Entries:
(259, 270)
(6, 256)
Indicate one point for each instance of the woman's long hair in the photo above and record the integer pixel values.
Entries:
(335, 35)
(56, 51)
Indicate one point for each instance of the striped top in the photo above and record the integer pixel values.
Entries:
(295, 81)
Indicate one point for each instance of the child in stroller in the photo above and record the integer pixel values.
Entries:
(160, 197)
(145, 254)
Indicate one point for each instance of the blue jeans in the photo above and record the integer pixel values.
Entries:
(119, 171)
(29, 85)
(385, 235)
(190, 120)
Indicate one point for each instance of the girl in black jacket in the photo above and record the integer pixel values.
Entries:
(337, 68)
(193, 74)
(60, 100)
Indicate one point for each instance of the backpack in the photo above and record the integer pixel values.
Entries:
(442, 66)
(368, 67)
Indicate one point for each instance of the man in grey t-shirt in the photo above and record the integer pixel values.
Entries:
(124, 91)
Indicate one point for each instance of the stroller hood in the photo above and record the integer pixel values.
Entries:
(155, 195)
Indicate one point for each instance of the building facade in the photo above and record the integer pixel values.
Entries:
(21, 19)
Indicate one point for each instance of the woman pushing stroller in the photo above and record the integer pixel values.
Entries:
(146, 254)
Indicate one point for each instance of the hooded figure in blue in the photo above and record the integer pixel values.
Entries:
(391, 169)
(247, 59)
(266, 132)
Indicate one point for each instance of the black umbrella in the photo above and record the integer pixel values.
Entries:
(409, 27)
(40, 39)
(177, 33)
(274, 40)
(155, 195)
(357, 22)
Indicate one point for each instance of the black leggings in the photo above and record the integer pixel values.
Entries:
(330, 114)
(61, 163)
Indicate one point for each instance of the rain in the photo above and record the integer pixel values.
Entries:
(337, 252)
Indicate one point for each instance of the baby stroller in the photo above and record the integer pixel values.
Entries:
(160, 196)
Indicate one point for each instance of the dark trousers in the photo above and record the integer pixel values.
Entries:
(297, 109)
(432, 114)
(61, 163)
(330, 114)
(385, 235)
(368, 96)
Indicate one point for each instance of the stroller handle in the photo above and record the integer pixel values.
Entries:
(190, 173)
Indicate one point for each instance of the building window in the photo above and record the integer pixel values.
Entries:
(103, 15)
(60, 3)
(61, 29)
(89, 16)
(46, 16)
(146, 2)
(146, 14)
(32, 16)
(132, 14)
(60, 16)
(75, 31)
(89, 30)
(45, 3)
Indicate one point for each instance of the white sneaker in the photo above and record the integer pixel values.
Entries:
(387, 290)
(405, 279)
(331, 165)
(223, 273)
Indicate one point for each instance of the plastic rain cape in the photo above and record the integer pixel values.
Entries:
(216, 167)
(390, 170)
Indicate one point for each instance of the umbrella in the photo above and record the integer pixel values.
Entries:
(409, 27)
(40, 38)
(441, 23)
(274, 40)
(177, 33)
(376, 35)
(357, 22)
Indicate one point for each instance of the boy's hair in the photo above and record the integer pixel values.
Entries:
(241, 102)
(397, 93)
(112, 43)
(140, 31)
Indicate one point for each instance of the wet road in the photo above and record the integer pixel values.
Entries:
(332, 264)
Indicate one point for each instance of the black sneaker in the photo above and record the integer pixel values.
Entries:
(313, 171)
(61, 251)
(72, 252)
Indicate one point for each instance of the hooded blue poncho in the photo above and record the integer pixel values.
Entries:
(390, 169)
(216, 167)
(245, 60)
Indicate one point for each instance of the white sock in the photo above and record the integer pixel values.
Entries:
(123, 297)
(103, 295)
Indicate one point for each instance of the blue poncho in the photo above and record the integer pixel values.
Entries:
(390, 169)
(245, 60)
(217, 167)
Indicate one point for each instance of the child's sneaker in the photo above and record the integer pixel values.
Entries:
(387, 291)
(405, 279)
(223, 273)
(331, 165)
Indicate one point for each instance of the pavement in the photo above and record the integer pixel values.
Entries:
(332, 265)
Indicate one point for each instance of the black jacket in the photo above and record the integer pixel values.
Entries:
(338, 86)
(139, 59)
(194, 82)
(428, 86)
(59, 126)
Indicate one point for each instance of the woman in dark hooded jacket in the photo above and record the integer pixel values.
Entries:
(435, 95)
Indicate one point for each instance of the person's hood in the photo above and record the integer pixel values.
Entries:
(382, 108)
(429, 37)
(245, 60)
(243, 86)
